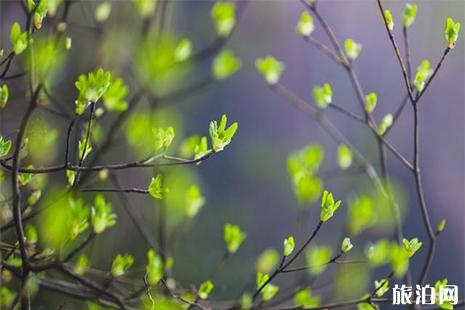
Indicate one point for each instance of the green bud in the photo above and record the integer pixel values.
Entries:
(410, 12)
(288, 246)
(322, 95)
(270, 68)
(352, 48)
(451, 32)
(305, 26)
(389, 19)
(328, 206)
(346, 245)
(233, 237)
(370, 102)
(205, 289)
(4, 94)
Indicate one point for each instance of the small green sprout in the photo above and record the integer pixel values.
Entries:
(389, 20)
(201, 149)
(385, 123)
(163, 138)
(317, 258)
(233, 237)
(70, 176)
(194, 201)
(410, 12)
(378, 253)
(441, 226)
(183, 50)
(18, 39)
(424, 71)
(267, 260)
(34, 197)
(81, 265)
(40, 11)
(370, 102)
(381, 287)
(328, 206)
(4, 94)
(352, 48)
(91, 88)
(154, 269)
(305, 26)
(225, 64)
(205, 289)
(31, 234)
(78, 217)
(102, 216)
(447, 305)
(345, 156)
(304, 299)
(346, 245)
(270, 68)
(323, 95)
(121, 264)
(7, 297)
(220, 135)
(156, 189)
(360, 214)
(399, 258)
(114, 99)
(288, 246)
(5, 146)
(103, 11)
(224, 17)
(270, 290)
(84, 148)
(412, 246)
(451, 32)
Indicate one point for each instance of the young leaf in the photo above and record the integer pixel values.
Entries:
(389, 19)
(194, 201)
(317, 258)
(346, 245)
(304, 299)
(270, 290)
(163, 138)
(385, 123)
(412, 246)
(451, 32)
(307, 188)
(399, 258)
(370, 102)
(305, 25)
(81, 265)
(424, 71)
(225, 64)
(410, 12)
(224, 17)
(205, 289)
(381, 287)
(4, 94)
(323, 95)
(267, 261)
(328, 206)
(18, 39)
(288, 246)
(201, 149)
(156, 189)
(5, 146)
(114, 99)
(70, 176)
(270, 68)
(31, 234)
(441, 226)
(220, 135)
(233, 237)
(120, 264)
(345, 156)
(360, 214)
(145, 8)
(154, 268)
(103, 11)
(91, 88)
(352, 48)
(40, 11)
(438, 286)
(102, 216)
(378, 253)
(183, 50)
(83, 153)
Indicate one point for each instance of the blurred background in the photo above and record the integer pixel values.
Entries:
(248, 184)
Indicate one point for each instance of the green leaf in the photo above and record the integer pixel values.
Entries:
(233, 237)
(288, 246)
(441, 226)
(31, 234)
(323, 95)
(246, 301)
(4, 94)
(381, 287)
(352, 48)
(437, 288)
(205, 289)
(34, 197)
(345, 156)
(410, 12)
(194, 201)
(305, 26)
(225, 64)
(389, 19)
(220, 135)
(18, 39)
(307, 188)
(145, 8)
(385, 123)
(83, 153)
(7, 297)
(103, 11)
(156, 189)
(102, 216)
(70, 176)
(317, 258)
(201, 149)
(91, 88)
(370, 102)
(270, 68)
(424, 71)
(183, 50)
(267, 261)
(346, 245)
(328, 206)
(270, 290)
(223, 14)
(121, 264)
(378, 253)
(307, 159)
(367, 305)
(451, 32)
(412, 246)
(399, 258)
(304, 299)
(360, 214)
(40, 11)
(5, 146)
(163, 138)
(154, 268)
(81, 265)
(114, 99)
